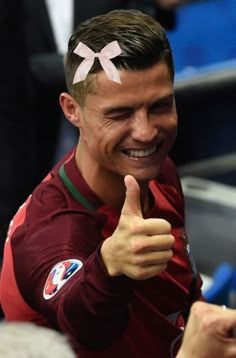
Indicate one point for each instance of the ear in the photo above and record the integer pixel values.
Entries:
(71, 108)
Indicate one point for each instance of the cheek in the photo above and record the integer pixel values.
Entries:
(93, 139)
(88, 131)
(169, 125)
(169, 130)
(173, 126)
(172, 123)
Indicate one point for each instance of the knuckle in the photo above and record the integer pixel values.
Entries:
(136, 261)
(142, 275)
(168, 242)
(161, 267)
(169, 254)
(208, 322)
(166, 257)
(137, 226)
(204, 315)
(136, 245)
(165, 225)
(198, 308)
(139, 273)
(171, 240)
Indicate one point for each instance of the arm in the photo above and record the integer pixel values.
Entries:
(93, 304)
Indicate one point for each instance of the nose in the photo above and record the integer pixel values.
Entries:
(143, 128)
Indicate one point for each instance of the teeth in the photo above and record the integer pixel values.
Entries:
(140, 153)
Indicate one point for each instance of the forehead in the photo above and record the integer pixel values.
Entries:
(146, 86)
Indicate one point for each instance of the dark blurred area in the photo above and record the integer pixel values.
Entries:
(204, 48)
(206, 101)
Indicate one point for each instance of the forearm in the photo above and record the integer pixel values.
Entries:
(95, 309)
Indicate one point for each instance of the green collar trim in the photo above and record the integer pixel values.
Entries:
(72, 189)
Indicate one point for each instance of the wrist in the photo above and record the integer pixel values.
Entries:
(108, 261)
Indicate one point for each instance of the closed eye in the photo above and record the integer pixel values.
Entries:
(119, 114)
(161, 106)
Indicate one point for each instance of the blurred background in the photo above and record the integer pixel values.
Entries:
(204, 48)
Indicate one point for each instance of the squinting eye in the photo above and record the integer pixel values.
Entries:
(120, 116)
(161, 107)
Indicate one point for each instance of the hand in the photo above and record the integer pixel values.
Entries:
(209, 332)
(139, 248)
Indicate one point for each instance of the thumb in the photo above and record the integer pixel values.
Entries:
(132, 198)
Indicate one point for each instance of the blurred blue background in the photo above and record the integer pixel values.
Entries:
(205, 33)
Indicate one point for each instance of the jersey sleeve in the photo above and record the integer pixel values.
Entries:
(60, 275)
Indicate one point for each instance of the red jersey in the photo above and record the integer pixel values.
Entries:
(52, 273)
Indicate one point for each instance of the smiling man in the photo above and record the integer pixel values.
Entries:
(99, 250)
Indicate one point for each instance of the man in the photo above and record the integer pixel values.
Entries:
(99, 250)
(32, 77)
(48, 26)
(210, 332)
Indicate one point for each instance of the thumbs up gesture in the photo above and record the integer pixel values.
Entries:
(139, 248)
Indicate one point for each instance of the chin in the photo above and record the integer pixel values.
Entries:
(146, 177)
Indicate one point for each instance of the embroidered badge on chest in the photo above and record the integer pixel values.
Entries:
(59, 275)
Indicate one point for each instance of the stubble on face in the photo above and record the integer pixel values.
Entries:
(128, 128)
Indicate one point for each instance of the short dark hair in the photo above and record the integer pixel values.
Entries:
(142, 39)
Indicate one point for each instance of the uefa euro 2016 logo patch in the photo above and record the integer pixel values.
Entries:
(58, 276)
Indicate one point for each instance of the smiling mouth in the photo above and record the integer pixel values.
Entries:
(135, 154)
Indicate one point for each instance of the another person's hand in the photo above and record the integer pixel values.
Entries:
(139, 248)
(209, 333)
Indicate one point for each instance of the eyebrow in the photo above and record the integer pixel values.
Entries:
(163, 99)
(123, 109)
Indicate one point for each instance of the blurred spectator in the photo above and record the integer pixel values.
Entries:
(27, 340)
